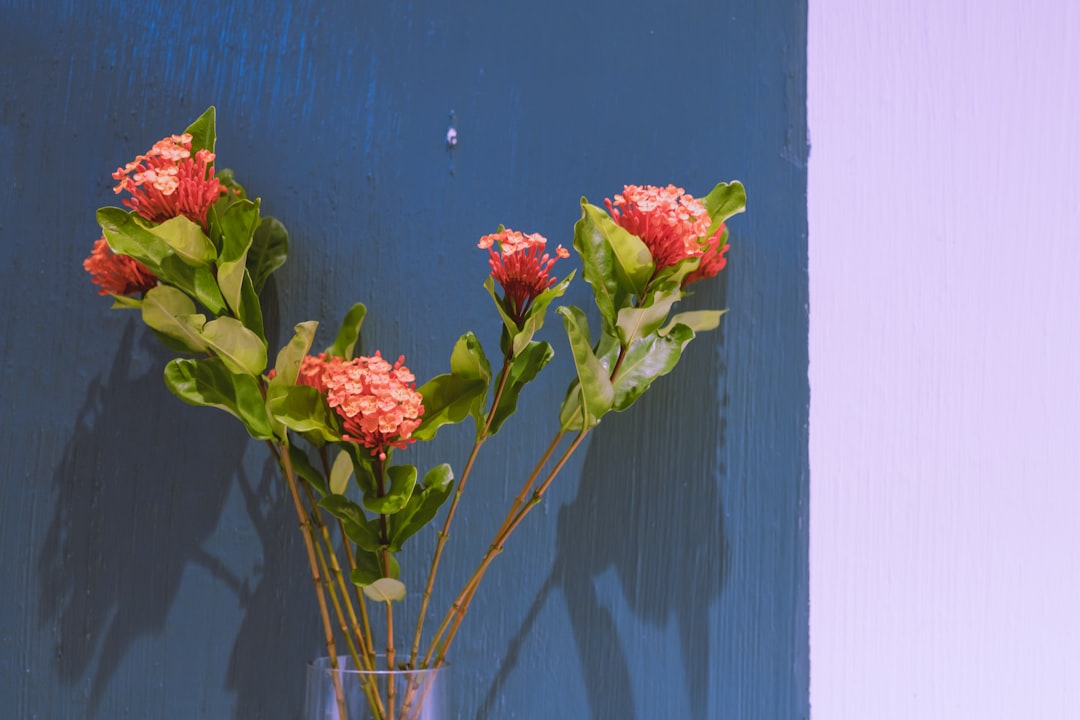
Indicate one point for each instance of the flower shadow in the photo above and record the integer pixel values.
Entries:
(127, 522)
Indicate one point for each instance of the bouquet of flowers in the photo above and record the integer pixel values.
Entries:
(192, 255)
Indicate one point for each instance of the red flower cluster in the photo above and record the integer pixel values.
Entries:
(377, 402)
(520, 268)
(168, 182)
(672, 224)
(117, 274)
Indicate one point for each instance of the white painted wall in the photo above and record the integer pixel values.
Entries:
(944, 208)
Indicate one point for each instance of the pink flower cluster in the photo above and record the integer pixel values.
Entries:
(672, 224)
(168, 182)
(377, 402)
(521, 266)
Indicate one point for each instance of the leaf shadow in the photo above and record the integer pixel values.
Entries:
(653, 514)
(134, 501)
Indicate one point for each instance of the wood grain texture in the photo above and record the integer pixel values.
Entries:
(945, 359)
(151, 566)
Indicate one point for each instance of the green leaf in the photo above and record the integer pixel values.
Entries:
(241, 350)
(724, 201)
(635, 322)
(534, 318)
(697, 320)
(633, 264)
(349, 332)
(269, 250)
(385, 590)
(598, 266)
(210, 384)
(202, 131)
(369, 567)
(128, 234)
(303, 467)
(303, 409)
(508, 322)
(172, 313)
(357, 527)
(187, 240)
(250, 312)
(595, 387)
(448, 399)
(422, 506)
(402, 481)
(468, 361)
(647, 359)
(125, 302)
(289, 358)
(523, 370)
(340, 472)
(238, 225)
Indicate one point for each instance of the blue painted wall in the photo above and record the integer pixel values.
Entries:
(150, 566)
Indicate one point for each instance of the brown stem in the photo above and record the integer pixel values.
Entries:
(367, 641)
(305, 527)
(444, 534)
(457, 611)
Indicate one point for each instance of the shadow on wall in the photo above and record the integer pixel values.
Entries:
(633, 516)
(133, 506)
(276, 636)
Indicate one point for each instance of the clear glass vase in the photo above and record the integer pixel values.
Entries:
(351, 694)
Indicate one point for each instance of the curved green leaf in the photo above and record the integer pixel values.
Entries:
(238, 225)
(241, 350)
(594, 385)
(636, 322)
(385, 590)
(633, 264)
(289, 358)
(269, 250)
(172, 313)
(128, 234)
(349, 332)
(523, 370)
(697, 320)
(356, 525)
(210, 384)
(647, 359)
(723, 201)
(422, 506)
(250, 312)
(187, 240)
(369, 567)
(448, 399)
(468, 361)
(203, 131)
(534, 318)
(303, 409)
(303, 467)
(598, 267)
(402, 482)
(340, 472)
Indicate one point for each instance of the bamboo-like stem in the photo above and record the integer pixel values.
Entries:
(444, 534)
(520, 499)
(460, 606)
(366, 638)
(282, 452)
(324, 568)
(334, 569)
